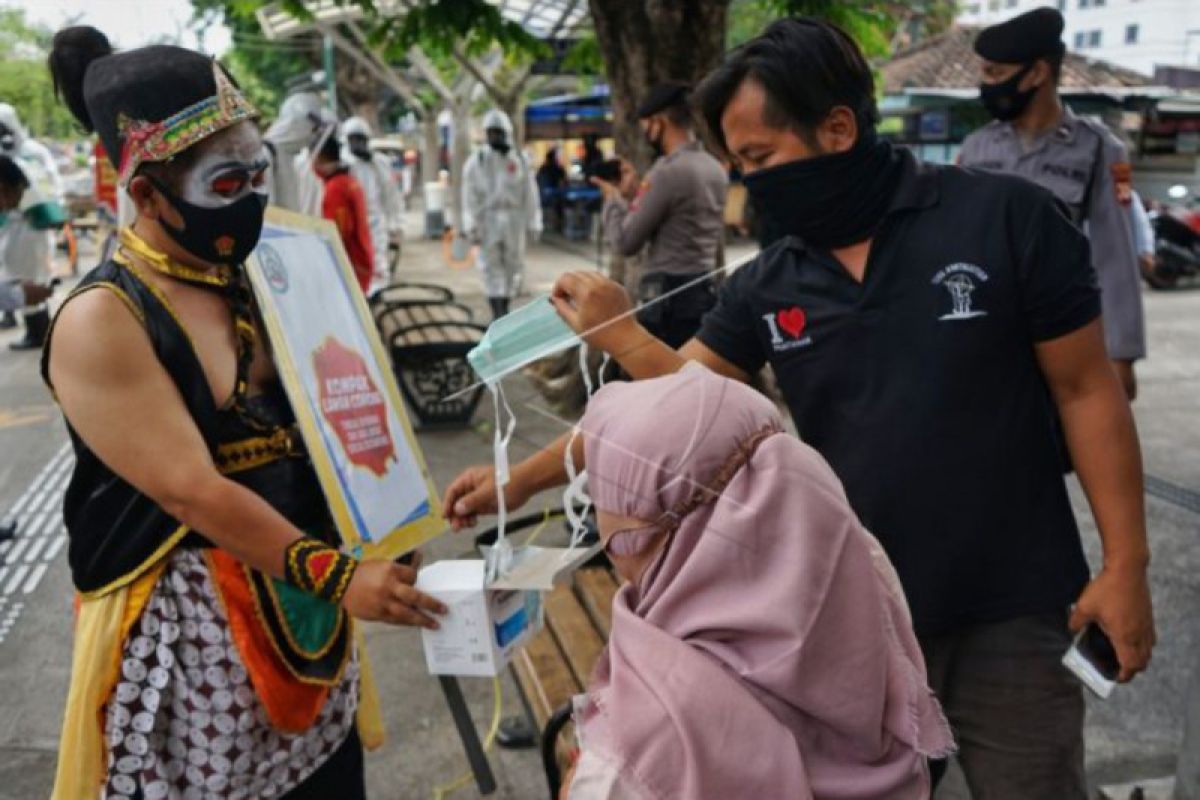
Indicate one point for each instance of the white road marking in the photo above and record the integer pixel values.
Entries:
(35, 578)
(36, 549)
(34, 528)
(54, 548)
(41, 537)
(18, 548)
(17, 577)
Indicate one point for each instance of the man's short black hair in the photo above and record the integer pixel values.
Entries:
(331, 148)
(672, 100)
(11, 174)
(807, 66)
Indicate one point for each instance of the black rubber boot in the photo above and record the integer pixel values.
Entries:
(37, 324)
(499, 307)
(8, 320)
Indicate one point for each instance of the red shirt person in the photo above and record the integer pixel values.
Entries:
(345, 204)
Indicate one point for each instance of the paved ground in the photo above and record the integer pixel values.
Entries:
(1133, 735)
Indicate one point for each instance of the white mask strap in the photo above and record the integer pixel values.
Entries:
(500, 557)
(576, 492)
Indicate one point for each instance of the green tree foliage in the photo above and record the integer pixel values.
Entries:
(25, 80)
(879, 26)
(264, 69)
(439, 25)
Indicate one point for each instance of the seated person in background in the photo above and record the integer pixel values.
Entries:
(343, 202)
(761, 646)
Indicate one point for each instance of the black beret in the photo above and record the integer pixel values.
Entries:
(1022, 39)
(662, 97)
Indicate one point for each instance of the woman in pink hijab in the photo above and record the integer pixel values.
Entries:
(761, 647)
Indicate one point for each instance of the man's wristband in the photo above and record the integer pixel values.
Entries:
(317, 569)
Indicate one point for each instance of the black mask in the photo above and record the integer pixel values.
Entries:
(360, 147)
(1004, 100)
(223, 235)
(828, 201)
(656, 143)
(497, 139)
(8, 140)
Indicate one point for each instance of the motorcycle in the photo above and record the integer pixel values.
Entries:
(1176, 253)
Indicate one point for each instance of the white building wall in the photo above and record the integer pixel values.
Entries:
(1167, 31)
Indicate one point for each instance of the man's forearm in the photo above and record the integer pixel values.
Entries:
(239, 522)
(640, 353)
(546, 469)
(1104, 449)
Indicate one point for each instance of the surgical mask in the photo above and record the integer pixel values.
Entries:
(1004, 100)
(222, 235)
(828, 201)
(533, 331)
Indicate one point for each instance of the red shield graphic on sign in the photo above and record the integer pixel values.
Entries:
(353, 406)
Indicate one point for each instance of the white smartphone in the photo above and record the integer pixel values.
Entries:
(1093, 659)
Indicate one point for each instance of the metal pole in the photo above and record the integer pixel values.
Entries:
(470, 737)
(330, 75)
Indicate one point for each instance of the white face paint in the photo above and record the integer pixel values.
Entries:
(232, 165)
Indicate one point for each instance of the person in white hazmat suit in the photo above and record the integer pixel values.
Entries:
(385, 208)
(291, 177)
(500, 204)
(27, 245)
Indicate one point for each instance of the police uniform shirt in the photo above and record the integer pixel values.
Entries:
(1086, 167)
(921, 388)
(679, 212)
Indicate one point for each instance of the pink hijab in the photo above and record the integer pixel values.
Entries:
(767, 651)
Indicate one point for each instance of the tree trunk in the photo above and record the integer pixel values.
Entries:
(645, 42)
(460, 148)
(369, 111)
(431, 147)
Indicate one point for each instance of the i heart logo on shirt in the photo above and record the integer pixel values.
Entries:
(792, 320)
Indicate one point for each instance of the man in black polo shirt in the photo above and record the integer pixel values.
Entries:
(924, 324)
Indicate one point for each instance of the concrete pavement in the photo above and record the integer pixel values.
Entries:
(1136, 734)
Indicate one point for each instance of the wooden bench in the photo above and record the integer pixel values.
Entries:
(557, 663)
(428, 336)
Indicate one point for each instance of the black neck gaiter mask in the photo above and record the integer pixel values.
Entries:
(828, 201)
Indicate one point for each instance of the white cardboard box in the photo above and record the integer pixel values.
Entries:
(483, 627)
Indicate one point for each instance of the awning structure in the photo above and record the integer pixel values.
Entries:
(570, 116)
(539, 17)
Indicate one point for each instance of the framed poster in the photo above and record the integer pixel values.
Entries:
(340, 383)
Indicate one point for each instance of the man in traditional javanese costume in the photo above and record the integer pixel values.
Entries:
(215, 651)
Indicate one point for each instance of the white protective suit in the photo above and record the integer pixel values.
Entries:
(500, 203)
(289, 136)
(385, 207)
(26, 252)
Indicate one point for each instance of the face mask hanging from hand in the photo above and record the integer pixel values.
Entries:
(1004, 100)
(222, 235)
(527, 334)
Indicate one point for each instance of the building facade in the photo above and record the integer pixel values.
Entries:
(1137, 34)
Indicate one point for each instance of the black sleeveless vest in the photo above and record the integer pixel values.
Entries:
(115, 531)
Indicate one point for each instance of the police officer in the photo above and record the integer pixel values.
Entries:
(677, 209)
(1035, 136)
